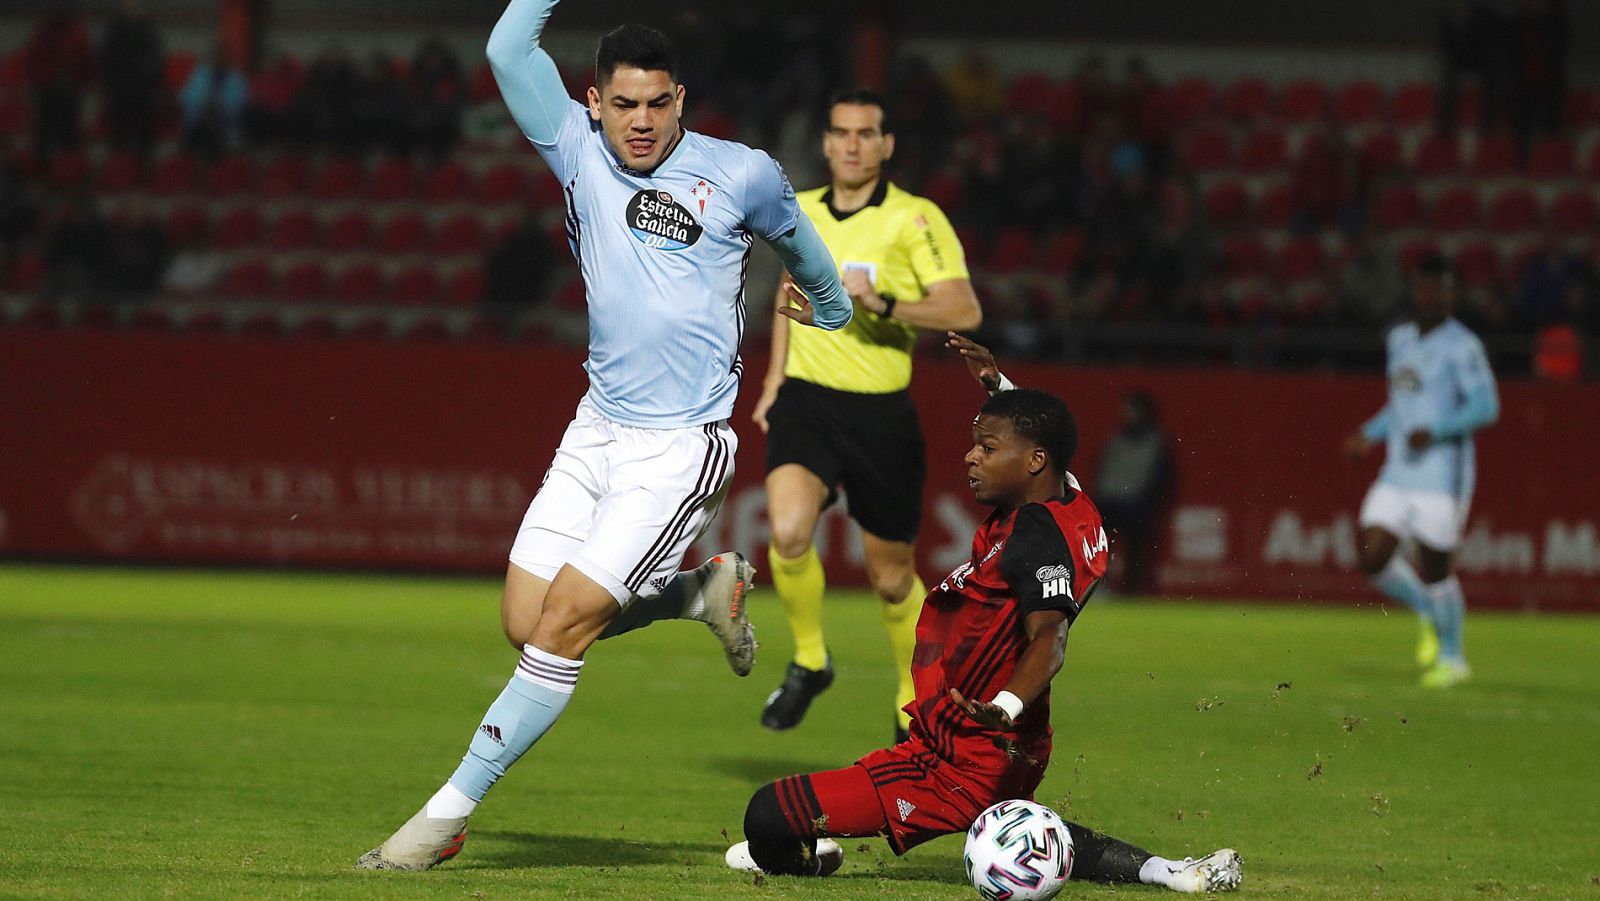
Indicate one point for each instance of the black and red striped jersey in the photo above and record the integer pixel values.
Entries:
(1043, 556)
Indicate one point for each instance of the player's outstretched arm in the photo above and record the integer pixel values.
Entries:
(980, 362)
(825, 305)
(1041, 660)
(1370, 434)
(527, 75)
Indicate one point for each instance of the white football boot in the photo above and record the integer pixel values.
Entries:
(725, 583)
(830, 856)
(1218, 871)
(422, 843)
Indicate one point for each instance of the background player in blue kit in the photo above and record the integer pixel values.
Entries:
(661, 221)
(1441, 390)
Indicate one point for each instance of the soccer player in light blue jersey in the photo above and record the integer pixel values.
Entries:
(661, 221)
(1441, 390)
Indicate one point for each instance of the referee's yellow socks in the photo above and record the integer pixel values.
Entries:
(901, 622)
(799, 583)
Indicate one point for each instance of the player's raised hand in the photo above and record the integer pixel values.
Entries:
(980, 362)
(983, 712)
(796, 305)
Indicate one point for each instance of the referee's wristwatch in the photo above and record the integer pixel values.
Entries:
(888, 305)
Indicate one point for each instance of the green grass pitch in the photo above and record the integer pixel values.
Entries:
(247, 734)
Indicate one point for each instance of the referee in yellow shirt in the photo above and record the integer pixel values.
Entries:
(835, 405)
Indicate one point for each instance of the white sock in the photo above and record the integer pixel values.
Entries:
(449, 803)
(1158, 871)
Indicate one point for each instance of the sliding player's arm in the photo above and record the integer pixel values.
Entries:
(526, 74)
(980, 362)
(776, 362)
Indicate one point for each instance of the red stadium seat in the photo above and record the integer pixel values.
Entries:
(285, 176)
(340, 179)
(946, 190)
(1496, 157)
(1514, 209)
(464, 288)
(1249, 99)
(1065, 108)
(375, 327)
(1413, 104)
(1300, 258)
(177, 174)
(250, 279)
(1227, 203)
(179, 66)
(28, 273)
(1061, 254)
(1265, 150)
(1478, 263)
(262, 322)
(1245, 255)
(505, 183)
(1575, 210)
(120, 172)
(187, 223)
(1012, 250)
(1206, 150)
(240, 227)
(1399, 206)
(571, 297)
(294, 230)
(429, 328)
(151, 319)
(484, 88)
(1275, 209)
(305, 282)
(231, 175)
(1029, 94)
(417, 286)
(392, 180)
(359, 284)
(317, 325)
(1437, 155)
(449, 182)
(1192, 98)
(1455, 208)
(1358, 103)
(206, 322)
(546, 192)
(1303, 101)
(405, 233)
(460, 234)
(350, 231)
(1552, 158)
(484, 328)
(1380, 152)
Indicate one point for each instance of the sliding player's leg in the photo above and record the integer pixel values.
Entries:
(1097, 857)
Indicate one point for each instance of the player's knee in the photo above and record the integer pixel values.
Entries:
(565, 631)
(1374, 556)
(892, 583)
(790, 539)
(763, 817)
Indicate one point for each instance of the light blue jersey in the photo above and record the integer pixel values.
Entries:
(1439, 382)
(663, 254)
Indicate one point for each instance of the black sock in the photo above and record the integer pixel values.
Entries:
(773, 845)
(1101, 858)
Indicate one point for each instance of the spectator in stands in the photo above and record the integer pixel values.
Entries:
(381, 115)
(1323, 189)
(924, 119)
(517, 272)
(77, 250)
(1541, 37)
(976, 88)
(1472, 43)
(132, 62)
(1142, 107)
(59, 63)
(18, 208)
(1371, 286)
(271, 114)
(212, 104)
(328, 101)
(437, 97)
(1172, 259)
(1545, 283)
(1132, 484)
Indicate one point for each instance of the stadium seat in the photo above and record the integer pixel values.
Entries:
(177, 68)
(571, 297)
(1191, 98)
(1455, 208)
(417, 286)
(285, 176)
(1552, 158)
(405, 233)
(1029, 94)
(1413, 104)
(1300, 258)
(1437, 155)
(340, 179)
(1413, 252)
(1065, 108)
(296, 229)
(1248, 99)
(545, 192)
(1380, 152)
(187, 223)
(392, 180)
(249, 279)
(1061, 255)
(15, 113)
(484, 328)
(177, 174)
(1206, 150)
(98, 317)
(1245, 255)
(1265, 150)
(305, 282)
(373, 327)
(359, 284)
(1399, 206)
(1478, 263)
(1303, 101)
(429, 328)
(946, 190)
(1358, 103)
(120, 172)
(1012, 250)
(239, 227)
(350, 231)
(317, 325)
(449, 182)
(483, 88)
(1514, 209)
(464, 288)
(1575, 210)
(1275, 209)
(460, 234)
(231, 176)
(27, 274)
(504, 184)
(150, 319)
(206, 322)
(1227, 203)
(1495, 157)
(265, 323)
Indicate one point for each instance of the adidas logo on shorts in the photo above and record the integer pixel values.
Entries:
(905, 807)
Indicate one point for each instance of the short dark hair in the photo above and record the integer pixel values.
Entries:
(637, 47)
(1039, 417)
(1435, 265)
(863, 97)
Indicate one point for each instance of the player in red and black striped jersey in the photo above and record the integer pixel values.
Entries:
(995, 628)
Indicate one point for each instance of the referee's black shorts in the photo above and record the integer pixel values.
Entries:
(870, 445)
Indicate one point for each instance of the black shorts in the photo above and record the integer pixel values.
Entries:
(868, 444)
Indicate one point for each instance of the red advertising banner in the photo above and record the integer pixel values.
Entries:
(419, 456)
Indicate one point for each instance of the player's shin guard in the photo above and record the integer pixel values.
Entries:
(800, 583)
(901, 622)
(1399, 582)
(530, 704)
(1101, 858)
(1449, 609)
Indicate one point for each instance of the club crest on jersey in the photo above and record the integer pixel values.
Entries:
(661, 223)
(1056, 580)
(702, 192)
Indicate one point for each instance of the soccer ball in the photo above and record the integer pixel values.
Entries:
(1018, 851)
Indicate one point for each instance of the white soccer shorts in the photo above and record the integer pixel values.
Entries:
(1433, 519)
(622, 504)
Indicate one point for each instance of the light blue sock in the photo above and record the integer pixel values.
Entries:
(530, 704)
(1400, 582)
(1449, 610)
(642, 611)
